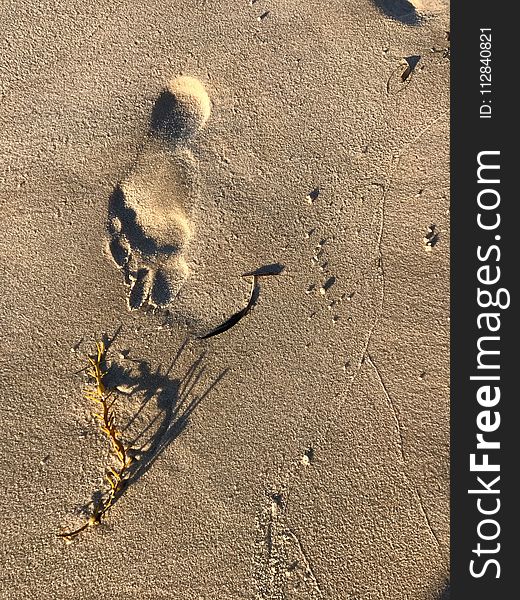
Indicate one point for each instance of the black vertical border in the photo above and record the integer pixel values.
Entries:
(469, 136)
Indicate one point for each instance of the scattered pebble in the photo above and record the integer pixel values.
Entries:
(328, 284)
(312, 196)
(307, 457)
(76, 346)
(431, 238)
(276, 504)
(422, 376)
(323, 290)
(126, 389)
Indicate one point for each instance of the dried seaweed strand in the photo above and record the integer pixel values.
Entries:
(115, 477)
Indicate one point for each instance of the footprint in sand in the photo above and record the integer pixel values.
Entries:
(150, 221)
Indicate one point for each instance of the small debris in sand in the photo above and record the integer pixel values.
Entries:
(276, 504)
(431, 238)
(307, 457)
(312, 196)
(126, 389)
(310, 289)
(76, 346)
(422, 376)
(327, 285)
(264, 15)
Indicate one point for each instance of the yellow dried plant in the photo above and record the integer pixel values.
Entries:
(116, 476)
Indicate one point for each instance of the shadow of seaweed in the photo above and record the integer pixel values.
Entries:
(153, 410)
(399, 10)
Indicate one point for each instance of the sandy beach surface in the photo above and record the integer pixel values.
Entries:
(151, 154)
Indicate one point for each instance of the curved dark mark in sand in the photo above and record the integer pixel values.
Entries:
(402, 75)
(149, 212)
(399, 10)
(234, 319)
(267, 271)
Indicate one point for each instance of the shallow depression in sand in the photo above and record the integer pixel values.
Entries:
(150, 220)
(181, 110)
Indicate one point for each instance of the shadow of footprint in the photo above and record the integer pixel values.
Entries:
(400, 10)
(150, 211)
